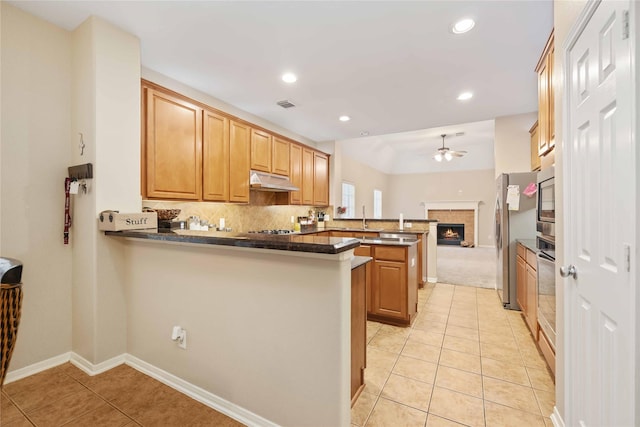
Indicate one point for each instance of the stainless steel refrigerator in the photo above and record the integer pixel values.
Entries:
(511, 225)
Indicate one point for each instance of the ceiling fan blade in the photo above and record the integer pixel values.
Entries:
(458, 153)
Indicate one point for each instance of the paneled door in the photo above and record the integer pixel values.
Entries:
(600, 220)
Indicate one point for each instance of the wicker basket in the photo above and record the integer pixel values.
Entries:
(10, 306)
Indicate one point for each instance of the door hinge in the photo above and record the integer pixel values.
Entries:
(625, 24)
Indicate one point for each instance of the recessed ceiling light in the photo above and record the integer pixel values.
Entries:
(464, 96)
(344, 118)
(289, 78)
(463, 25)
(364, 133)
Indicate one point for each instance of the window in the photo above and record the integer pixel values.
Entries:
(377, 204)
(349, 199)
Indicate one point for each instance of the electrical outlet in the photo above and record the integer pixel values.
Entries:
(413, 262)
(182, 343)
(408, 224)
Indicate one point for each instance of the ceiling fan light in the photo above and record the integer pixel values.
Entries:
(448, 156)
(438, 157)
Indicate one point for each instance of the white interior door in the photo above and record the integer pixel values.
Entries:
(600, 194)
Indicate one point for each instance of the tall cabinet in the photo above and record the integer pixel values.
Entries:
(546, 98)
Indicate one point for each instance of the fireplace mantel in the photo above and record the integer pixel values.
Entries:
(456, 205)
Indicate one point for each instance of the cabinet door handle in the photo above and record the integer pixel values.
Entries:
(569, 271)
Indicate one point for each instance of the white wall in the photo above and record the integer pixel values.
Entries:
(512, 143)
(277, 345)
(406, 192)
(106, 109)
(366, 179)
(564, 15)
(36, 117)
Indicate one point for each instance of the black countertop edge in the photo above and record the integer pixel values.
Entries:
(384, 220)
(286, 242)
(387, 242)
(366, 230)
(529, 244)
(357, 261)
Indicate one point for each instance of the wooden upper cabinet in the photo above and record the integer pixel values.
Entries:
(260, 150)
(546, 108)
(320, 179)
(173, 132)
(535, 157)
(215, 157)
(295, 173)
(239, 161)
(307, 176)
(280, 157)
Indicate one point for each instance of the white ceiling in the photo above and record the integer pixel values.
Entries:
(393, 66)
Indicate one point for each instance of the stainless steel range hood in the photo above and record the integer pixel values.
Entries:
(263, 181)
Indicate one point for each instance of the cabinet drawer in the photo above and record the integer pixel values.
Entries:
(531, 259)
(390, 253)
(362, 250)
(521, 251)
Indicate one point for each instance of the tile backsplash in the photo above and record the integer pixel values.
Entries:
(259, 214)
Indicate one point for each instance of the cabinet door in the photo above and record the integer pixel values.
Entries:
(320, 180)
(535, 158)
(215, 157)
(280, 163)
(521, 284)
(173, 147)
(551, 110)
(543, 108)
(389, 289)
(307, 176)
(239, 152)
(532, 300)
(260, 150)
(295, 173)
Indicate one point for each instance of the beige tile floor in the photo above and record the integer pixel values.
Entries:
(465, 361)
(122, 396)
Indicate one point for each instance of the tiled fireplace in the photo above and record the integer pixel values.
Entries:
(456, 212)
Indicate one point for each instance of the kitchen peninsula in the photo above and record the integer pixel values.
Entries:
(269, 330)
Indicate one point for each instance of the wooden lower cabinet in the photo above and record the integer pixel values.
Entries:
(359, 281)
(394, 285)
(527, 286)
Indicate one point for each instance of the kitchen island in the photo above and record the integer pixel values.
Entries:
(268, 321)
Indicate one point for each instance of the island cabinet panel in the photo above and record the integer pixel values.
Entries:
(280, 157)
(390, 292)
(394, 284)
(260, 150)
(239, 161)
(295, 173)
(215, 157)
(307, 176)
(173, 132)
(360, 277)
(320, 179)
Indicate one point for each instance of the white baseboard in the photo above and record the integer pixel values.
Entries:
(556, 419)
(432, 279)
(21, 373)
(486, 246)
(91, 369)
(211, 400)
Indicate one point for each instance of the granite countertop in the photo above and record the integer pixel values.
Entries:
(357, 261)
(284, 242)
(388, 241)
(529, 244)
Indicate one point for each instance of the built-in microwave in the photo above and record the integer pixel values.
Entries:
(546, 206)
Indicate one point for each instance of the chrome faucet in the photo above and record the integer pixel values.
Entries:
(364, 223)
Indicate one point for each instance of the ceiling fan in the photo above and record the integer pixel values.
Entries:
(447, 153)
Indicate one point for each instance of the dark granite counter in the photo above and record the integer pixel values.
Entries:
(529, 244)
(389, 241)
(283, 242)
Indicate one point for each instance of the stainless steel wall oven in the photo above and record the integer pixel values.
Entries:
(546, 244)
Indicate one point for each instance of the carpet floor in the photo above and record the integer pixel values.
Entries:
(467, 266)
